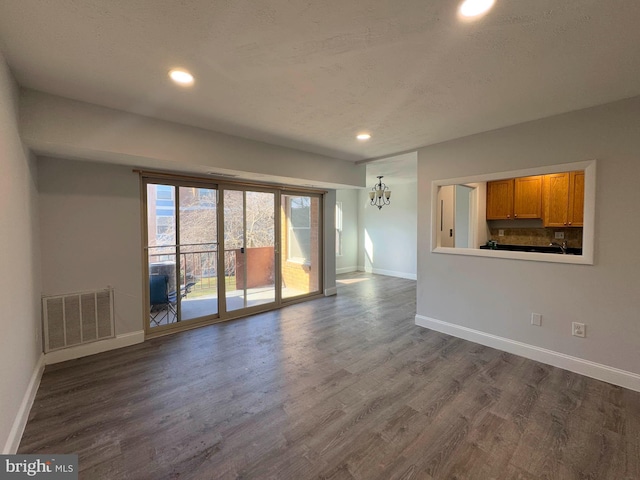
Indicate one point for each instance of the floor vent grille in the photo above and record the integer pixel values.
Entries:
(77, 318)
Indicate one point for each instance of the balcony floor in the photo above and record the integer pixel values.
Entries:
(198, 307)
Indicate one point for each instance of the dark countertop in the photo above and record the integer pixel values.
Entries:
(533, 248)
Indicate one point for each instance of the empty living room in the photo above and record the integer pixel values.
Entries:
(320, 240)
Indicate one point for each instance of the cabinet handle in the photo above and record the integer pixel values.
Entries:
(508, 216)
(516, 215)
(569, 223)
(565, 223)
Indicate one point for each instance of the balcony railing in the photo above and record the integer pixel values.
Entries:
(243, 268)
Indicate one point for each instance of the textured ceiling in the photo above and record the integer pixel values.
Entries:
(311, 74)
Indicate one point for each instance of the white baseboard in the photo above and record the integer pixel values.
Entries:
(20, 422)
(330, 291)
(388, 273)
(346, 270)
(71, 353)
(588, 368)
(391, 273)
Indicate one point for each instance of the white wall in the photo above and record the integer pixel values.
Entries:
(90, 233)
(19, 263)
(348, 261)
(387, 237)
(497, 296)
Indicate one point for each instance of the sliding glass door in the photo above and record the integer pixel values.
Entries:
(249, 248)
(301, 244)
(198, 253)
(162, 258)
(221, 251)
(182, 253)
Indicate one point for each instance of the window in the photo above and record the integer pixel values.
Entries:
(299, 216)
(165, 211)
(207, 197)
(339, 229)
(164, 192)
(164, 226)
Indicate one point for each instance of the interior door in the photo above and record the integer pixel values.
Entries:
(249, 249)
(446, 211)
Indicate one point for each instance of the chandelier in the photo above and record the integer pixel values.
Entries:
(379, 194)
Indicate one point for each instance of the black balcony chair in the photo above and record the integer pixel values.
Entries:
(163, 303)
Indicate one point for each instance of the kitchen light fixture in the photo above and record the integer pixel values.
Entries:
(379, 194)
(363, 136)
(475, 8)
(181, 77)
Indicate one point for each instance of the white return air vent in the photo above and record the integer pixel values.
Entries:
(77, 318)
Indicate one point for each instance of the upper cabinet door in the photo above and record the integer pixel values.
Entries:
(576, 199)
(563, 198)
(527, 201)
(500, 199)
(556, 199)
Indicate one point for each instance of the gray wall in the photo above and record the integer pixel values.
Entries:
(65, 128)
(19, 263)
(329, 244)
(90, 233)
(497, 296)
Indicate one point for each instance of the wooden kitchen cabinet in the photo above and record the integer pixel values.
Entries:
(563, 199)
(527, 197)
(500, 199)
(576, 199)
(514, 198)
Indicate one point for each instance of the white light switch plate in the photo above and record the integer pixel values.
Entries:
(501, 233)
(536, 319)
(560, 235)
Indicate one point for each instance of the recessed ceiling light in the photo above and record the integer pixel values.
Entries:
(363, 136)
(474, 8)
(181, 77)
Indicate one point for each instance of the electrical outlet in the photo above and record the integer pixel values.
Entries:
(578, 329)
(536, 319)
(559, 235)
(501, 233)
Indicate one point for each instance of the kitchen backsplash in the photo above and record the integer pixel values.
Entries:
(537, 236)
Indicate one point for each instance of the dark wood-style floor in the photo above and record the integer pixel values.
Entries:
(344, 387)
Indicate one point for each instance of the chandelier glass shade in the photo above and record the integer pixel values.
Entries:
(380, 194)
